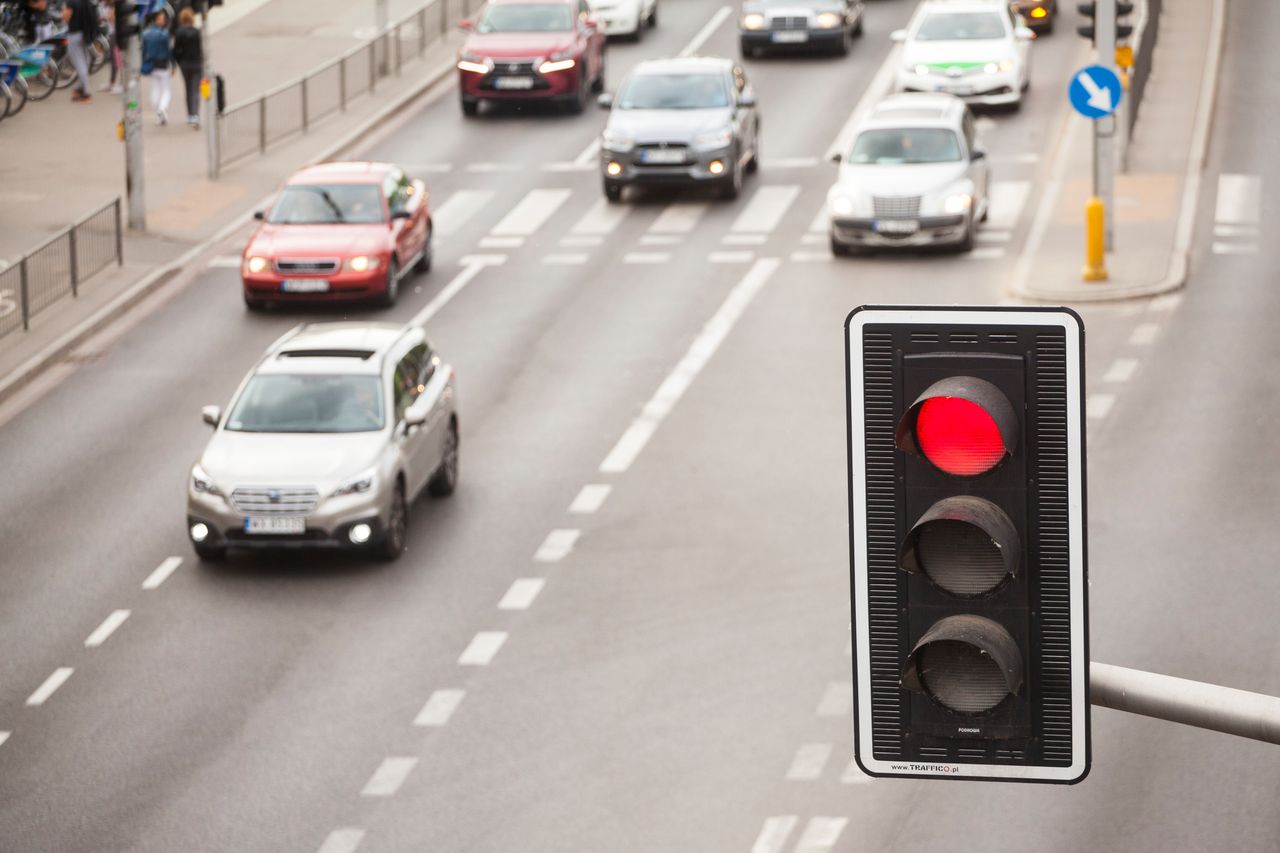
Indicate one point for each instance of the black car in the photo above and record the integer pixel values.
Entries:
(1038, 15)
(819, 25)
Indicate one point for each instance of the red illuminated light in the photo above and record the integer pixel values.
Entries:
(958, 436)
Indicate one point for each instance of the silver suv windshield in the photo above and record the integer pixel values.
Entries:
(910, 145)
(308, 403)
(674, 92)
(328, 204)
(960, 26)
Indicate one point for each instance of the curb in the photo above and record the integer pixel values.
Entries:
(1180, 258)
(29, 370)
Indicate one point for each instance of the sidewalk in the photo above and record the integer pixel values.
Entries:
(72, 162)
(1155, 198)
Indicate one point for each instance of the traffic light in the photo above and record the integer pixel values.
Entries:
(967, 541)
(1090, 11)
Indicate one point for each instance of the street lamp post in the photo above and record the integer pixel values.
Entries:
(211, 94)
(384, 21)
(132, 124)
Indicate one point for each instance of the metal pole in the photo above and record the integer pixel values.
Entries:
(119, 235)
(384, 21)
(342, 84)
(306, 123)
(1192, 703)
(75, 261)
(22, 292)
(1104, 129)
(133, 176)
(262, 124)
(211, 116)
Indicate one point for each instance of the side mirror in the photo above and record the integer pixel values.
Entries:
(466, 25)
(401, 214)
(415, 416)
(836, 158)
(746, 99)
(898, 35)
(591, 23)
(977, 154)
(1024, 33)
(260, 215)
(212, 415)
(605, 101)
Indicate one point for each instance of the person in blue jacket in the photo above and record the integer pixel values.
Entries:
(157, 64)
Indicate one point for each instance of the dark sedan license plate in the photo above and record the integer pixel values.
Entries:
(896, 226)
(305, 285)
(662, 155)
(791, 37)
(513, 83)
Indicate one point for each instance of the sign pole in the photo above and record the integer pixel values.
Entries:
(210, 97)
(132, 122)
(1104, 129)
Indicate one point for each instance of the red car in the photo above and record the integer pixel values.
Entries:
(521, 50)
(339, 232)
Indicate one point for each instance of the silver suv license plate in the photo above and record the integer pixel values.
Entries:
(274, 524)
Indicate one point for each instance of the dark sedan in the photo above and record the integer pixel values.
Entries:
(817, 25)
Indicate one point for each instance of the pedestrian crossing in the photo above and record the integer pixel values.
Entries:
(534, 221)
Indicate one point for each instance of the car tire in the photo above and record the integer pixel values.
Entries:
(731, 185)
(613, 191)
(597, 85)
(840, 250)
(254, 304)
(578, 102)
(210, 553)
(652, 20)
(470, 106)
(749, 51)
(445, 479)
(842, 47)
(857, 28)
(423, 264)
(966, 242)
(392, 543)
(388, 297)
(753, 165)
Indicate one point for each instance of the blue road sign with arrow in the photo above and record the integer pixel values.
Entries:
(1095, 91)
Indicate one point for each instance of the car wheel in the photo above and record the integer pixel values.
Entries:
(652, 20)
(210, 553)
(445, 479)
(613, 191)
(842, 46)
(254, 304)
(424, 260)
(597, 85)
(966, 243)
(749, 51)
(470, 106)
(731, 187)
(840, 250)
(391, 546)
(578, 102)
(753, 165)
(389, 295)
(857, 28)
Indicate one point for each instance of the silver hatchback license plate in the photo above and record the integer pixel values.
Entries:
(790, 37)
(897, 226)
(305, 285)
(288, 525)
(662, 155)
(513, 83)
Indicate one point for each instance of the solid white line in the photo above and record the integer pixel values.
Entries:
(1239, 199)
(837, 700)
(4, 736)
(809, 760)
(661, 239)
(1008, 198)
(744, 239)
(521, 594)
(565, 259)
(343, 840)
(773, 835)
(705, 33)
(482, 648)
(765, 209)
(1235, 231)
(162, 572)
(588, 155)
(450, 216)
(1097, 406)
(450, 290)
(530, 212)
(743, 257)
(879, 86)
(484, 260)
(853, 774)
(52, 683)
(1144, 334)
(500, 242)
(590, 499)
(646, 257)
(601, 218)
(679, 217)
(389, 776)
(1220, 248)
(700, 351)
(225, 262)
(108, 626)
(556, 546)
(1121, 370)
(811, 257)
(439, 708)
(821, 834)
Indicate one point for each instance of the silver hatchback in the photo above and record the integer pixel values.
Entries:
(326, 443)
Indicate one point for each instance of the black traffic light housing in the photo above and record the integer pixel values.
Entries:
(967, 539)
(1090, 11)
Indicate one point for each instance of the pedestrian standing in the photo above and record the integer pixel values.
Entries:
(157, 65)
(107, 12)
(81, 17)
(188, 52)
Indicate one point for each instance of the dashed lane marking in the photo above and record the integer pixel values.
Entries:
(809, 761)
(225, 262)
(679, 217)
(773, 835)
(343, 840)
(985, 236)
(603, 217)
(482, 648)
(744, 239)
(1239, 199)
(389, 776)
(811, 257)
(1008, 198)
(707, 30)
(1144, 334)
(439, 708)
(51, 684)
(1098, 406)
(557, 545)
(521, 594)
(704, 346)
(1220, 248)
(454, 212)
(789, 163)
(743, 257)
(985, 253)
(107, 628)
(4, 736)
(162, 572)
(493, 167)
(837, 700)
(500, 242)
(1121, 370)
(1166, 302)
(563, 259)
(576, 241)
(765, 209)
(646, 257)
(590, 498)
(813, 239)
(661, 239)
(1235, 231)
(821, 834)
(453, 288)
(531, 212)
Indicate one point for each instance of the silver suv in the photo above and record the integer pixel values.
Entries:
(326, 443)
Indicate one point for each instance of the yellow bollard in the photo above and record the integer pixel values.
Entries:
(1095, 268)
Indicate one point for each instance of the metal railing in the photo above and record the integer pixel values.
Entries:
(253, 126)
(59, 266)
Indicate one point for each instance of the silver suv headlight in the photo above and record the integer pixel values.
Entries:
(203, 483)
(712, 139)
(357, 485)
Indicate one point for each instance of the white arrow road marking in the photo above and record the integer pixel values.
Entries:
(1099, 96)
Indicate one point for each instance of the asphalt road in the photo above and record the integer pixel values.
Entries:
(678, 681)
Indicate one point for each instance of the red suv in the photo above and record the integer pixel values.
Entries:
(337, 232)
(531, 50)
